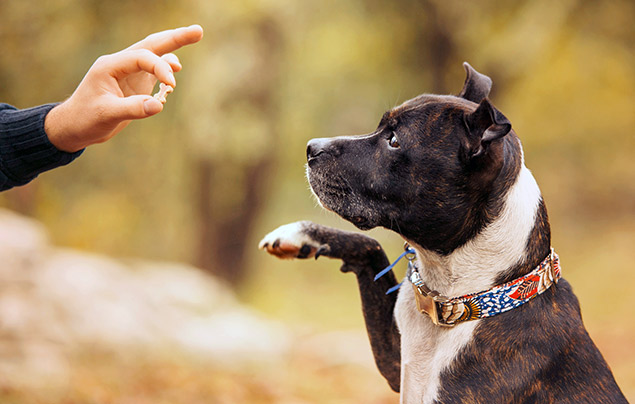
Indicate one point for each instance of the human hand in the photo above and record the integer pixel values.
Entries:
(116, 89)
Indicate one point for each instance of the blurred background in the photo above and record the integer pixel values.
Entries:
(133, 275)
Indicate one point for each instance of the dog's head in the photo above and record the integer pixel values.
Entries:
(433, 170)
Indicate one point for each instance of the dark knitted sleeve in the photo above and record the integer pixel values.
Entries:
(25, 150)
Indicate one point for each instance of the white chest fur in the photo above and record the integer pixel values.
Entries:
(426, 349)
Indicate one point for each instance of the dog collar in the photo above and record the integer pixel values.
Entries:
(447, 312)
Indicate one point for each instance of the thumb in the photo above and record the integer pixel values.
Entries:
(135, 107)
(152, 106)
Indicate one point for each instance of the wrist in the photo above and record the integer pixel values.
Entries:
(58, 131)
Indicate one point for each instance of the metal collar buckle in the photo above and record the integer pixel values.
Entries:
(426, 298)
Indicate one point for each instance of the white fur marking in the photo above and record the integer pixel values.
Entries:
(292, 233)
(427, 350)
(474, 266)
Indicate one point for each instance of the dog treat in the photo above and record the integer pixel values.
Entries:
(164, 90)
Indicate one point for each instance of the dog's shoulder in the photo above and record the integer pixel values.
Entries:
(539, 352)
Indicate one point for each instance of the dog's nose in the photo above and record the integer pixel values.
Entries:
(315, 147)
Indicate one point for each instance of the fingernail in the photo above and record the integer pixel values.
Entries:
(147, 107)
(172, 79)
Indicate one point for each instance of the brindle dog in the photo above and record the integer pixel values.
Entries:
(447, 173)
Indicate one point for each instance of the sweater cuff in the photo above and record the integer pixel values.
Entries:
(25, 149)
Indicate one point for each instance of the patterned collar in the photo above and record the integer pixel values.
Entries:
(447, 312)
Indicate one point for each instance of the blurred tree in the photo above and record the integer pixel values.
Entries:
(271, 74)
(26, 79)
(235, 153)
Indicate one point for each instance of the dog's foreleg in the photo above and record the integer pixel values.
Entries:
(364, 257)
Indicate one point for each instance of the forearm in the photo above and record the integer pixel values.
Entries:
(25, 150)
(365, 258)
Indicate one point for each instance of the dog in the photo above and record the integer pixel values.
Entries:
(483, 315)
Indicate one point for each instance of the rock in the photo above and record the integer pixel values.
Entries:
(336, 348)
(22, 243)
(54, 302)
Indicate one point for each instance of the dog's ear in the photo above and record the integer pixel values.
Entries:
(477, 86)
(485, 125)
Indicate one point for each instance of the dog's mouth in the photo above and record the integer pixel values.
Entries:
(311, 160)
(333, 194)
(361, 222)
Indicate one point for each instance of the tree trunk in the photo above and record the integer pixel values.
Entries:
(226, 218)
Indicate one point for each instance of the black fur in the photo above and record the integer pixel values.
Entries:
(364, 257)
(539, 352)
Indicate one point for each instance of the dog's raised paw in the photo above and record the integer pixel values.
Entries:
(291, 241)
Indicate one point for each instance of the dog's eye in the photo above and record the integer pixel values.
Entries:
(393, 142)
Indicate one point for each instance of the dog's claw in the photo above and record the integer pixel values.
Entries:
(322, 250)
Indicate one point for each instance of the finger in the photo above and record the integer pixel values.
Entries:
(168, 41)
(128, 62)
(133, 107)
(173, 61)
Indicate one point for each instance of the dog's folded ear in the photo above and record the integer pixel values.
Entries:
(477, 86)
(485, 125)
